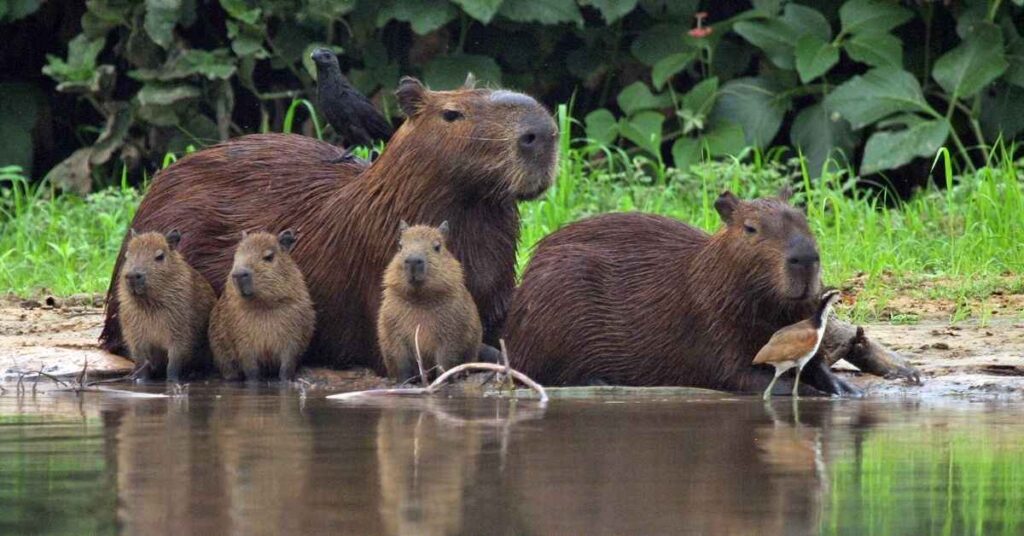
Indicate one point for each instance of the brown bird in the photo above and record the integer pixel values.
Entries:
(795, 344)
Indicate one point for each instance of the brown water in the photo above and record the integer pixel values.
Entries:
(232, 461)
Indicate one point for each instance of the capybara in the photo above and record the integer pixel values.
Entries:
(637, 299)
(165, 307)
(465, 156)
(424, 288)
(264, 319)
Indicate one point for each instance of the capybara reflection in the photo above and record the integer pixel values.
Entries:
(264, 319)
(426, 303)
(165, 307)
(465, 156)
(637, 299)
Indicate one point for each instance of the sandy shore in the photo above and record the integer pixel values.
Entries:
(967, 359)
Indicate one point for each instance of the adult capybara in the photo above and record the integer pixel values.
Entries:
(465, 156)
(264, 318)
(426, 303)
(636, 299)
(165, 306)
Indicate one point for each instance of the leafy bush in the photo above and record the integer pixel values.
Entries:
(875, 78)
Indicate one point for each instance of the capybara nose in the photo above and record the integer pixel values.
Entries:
(537, 135)
(135, 279)
(243, 280)
(415, 266)
(804, 260)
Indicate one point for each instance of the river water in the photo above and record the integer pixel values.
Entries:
(225, 460)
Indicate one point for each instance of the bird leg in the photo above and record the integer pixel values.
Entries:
(768, 392)
(796, 381)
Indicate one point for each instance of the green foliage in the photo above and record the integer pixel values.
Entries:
(831, 80)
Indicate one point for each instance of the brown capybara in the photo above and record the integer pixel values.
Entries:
(465, 156)
(637, 299)
(424, 288)
(165, 307)
(264, 319)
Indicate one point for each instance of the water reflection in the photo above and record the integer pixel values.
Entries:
(235, 461)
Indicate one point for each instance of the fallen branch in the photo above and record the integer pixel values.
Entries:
(416, 391)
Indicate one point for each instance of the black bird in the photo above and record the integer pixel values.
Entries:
(351, 114)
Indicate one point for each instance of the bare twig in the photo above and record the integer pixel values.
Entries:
(444, 377)
(419, 358)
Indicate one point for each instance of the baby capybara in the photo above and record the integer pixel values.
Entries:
(637, 299)
(265, 318)
(466, 156)
(165, 306)
(424, 286)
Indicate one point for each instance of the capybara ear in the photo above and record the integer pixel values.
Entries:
(444, 229)
(286, 239)
(726, 204)
(244, 234)
(411, 95)
(785, 193)
(133, 232)
(470, 82)
(173, 238)
(403, 226)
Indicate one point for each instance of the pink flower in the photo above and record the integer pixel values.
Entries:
(701, 31)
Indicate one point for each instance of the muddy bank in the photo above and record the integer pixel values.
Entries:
(966, 359)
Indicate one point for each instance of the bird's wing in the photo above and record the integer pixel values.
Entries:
(372, 120)
(788, 343)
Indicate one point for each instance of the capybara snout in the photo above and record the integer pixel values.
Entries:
(242, 278)
(415, 269)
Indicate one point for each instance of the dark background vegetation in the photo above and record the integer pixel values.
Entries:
(880, 85)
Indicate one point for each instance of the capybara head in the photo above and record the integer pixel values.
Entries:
(423, 265)
(263, 269)
(509, 132)
(775, 243)
(150, 261)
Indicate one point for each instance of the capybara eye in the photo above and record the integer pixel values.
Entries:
(268, 257)
(437, 247)
(750, 229)
(451, 115)
(159, 257)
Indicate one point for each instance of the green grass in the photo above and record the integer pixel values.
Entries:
(959, 247)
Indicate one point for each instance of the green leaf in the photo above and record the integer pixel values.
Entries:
(613, 10)
(449, 72)
(81, 63)
(755, 105)
(701, 97)
(874, 16)
(888, 150)
(637, 96)
(644, 129)
(973, 64)
(686, 152)
(1015, 59)
(239, 9)
(668, 66)
(875, 49)
(768, 8)
(546, 12)
(246, 40)
(1002, 112)
(161, 17)
(814, 57)
(726, 139)
(13, 10)
(822, 137)
(481, 10)
(601, 126)
(424, 16)
(880, 92)
(772, 36)
(805, 20)
(658, 42)
(164, 95)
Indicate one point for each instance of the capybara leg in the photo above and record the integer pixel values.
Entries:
(175, 362)
(822, 378)
(406, 369)
(252, 369)
(846, 341)
(144, 364)
(489, 354)
(287, 371)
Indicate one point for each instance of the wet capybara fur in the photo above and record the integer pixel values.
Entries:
(165, 307)
(637, 299)
(465, 156)
(264, 319)
(424, 288)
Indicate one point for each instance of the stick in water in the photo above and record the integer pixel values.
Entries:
(419, 358)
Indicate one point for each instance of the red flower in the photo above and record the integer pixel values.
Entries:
(701, 31)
